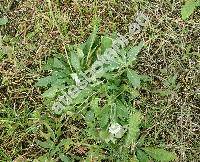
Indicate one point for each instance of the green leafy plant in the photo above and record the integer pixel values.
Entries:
(113, 123)
(3, 21)
(55, 148)
(188, 8)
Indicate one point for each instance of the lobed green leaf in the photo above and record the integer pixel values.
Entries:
(134, 127)
(133, 78)
(188, 8)
(160, 154)
(3, 21)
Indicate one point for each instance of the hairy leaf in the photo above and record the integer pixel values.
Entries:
(142, 156)
(133, 77)
(57, 78)
(51, 92)
(133, 52)
(160, 154)
(90, 41)
(95, 106)
(81, 95)
(64, 158)
(104, 117)
(188, 8)
(3, 21)
(48, 65)
(106, 42)
(75, 61)
(47, 144)
(58, 64)
(44, 82)
(87, 49)
(134, 127)
(80, 52)
(121, 110)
